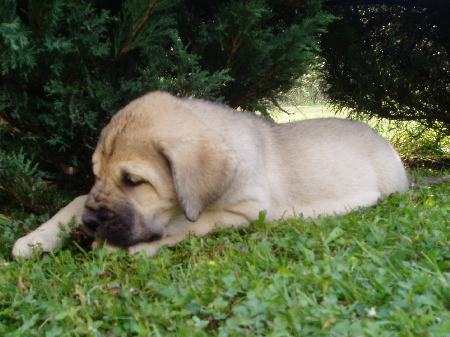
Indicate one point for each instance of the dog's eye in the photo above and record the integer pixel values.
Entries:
(131, 181)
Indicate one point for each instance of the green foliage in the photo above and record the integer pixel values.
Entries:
(380, 271)
(413, 140)
(390, 59)
(67, 67)
(306, 92)
(20, 178)
(13, 227)
(265, 45)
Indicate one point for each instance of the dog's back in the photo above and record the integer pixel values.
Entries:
(335, 165)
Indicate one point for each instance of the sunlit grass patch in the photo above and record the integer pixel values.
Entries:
(411, 139)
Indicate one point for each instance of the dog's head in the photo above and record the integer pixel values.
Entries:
(155, 161)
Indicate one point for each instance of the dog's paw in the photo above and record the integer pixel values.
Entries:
(148, 248)
(35, 243)
(100, 244)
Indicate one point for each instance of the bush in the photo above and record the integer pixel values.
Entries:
(389, 59)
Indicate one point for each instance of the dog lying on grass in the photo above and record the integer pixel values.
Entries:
(169, 167)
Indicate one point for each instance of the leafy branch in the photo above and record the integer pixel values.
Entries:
(135, 33)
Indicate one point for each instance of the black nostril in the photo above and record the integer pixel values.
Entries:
(91, 222)
(92, 219)
(104, 214)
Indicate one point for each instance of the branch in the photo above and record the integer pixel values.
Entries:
(274, 102)
(23, 126)
(233, 50)
(252, 91)
(16, 195)
(234, 43)
(137, 30)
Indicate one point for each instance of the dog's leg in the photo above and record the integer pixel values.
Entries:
(47, 235)
(208, 221)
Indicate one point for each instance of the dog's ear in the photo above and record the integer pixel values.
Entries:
(202, 169)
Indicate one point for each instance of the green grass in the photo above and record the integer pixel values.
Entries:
(380, 271)
(303, 112)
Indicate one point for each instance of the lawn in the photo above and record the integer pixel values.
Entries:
(411, 139)
(295, 113)
(379, 271)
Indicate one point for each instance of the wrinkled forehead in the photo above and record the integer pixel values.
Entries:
(112, 151)
(136, 131)
(127, 153)
(120, 135)
(115, 170)
(116, 133)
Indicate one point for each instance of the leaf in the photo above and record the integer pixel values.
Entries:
(335, 233)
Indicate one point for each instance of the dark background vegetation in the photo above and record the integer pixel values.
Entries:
(390, 59)
(67, 67)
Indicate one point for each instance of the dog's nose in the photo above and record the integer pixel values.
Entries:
(93, 219)
(91, 222)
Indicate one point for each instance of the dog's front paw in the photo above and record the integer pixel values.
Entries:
(34, 243)
(148, 248)
(100, 244)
